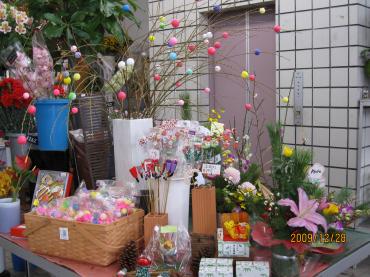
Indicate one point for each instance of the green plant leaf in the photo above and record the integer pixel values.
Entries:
(53, 31)
(82, 34)
(55, 20)
(78, 16)
(107, 7)
(114, 28)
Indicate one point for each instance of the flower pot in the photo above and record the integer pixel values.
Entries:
(52, 116)
(10, 214)
(17, 149)
(127, 151)
(284, 262)
(150, 221)
(204, 210)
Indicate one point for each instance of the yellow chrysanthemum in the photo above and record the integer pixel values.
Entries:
(287, 151)
(333, 209)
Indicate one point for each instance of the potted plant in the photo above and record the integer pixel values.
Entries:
(13, 114)
(11, 182)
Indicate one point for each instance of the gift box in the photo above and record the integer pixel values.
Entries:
(98, 244)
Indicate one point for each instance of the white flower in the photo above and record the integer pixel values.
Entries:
(3, 15)
(5, 28)
(246, 186)
(21, 18)
(232, 175)
(20, 29)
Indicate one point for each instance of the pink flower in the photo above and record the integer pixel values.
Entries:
(232, 175)
(306, 215)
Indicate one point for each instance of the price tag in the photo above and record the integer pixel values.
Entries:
(32, 139)
(63, 233)
(233, 249)
(211, 169)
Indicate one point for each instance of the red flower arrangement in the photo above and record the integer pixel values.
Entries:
(11, 94)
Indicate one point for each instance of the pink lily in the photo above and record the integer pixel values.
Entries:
(306, 215)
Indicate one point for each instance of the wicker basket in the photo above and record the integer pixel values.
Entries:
(95, 244)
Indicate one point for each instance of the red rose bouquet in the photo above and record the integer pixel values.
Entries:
(14, 102)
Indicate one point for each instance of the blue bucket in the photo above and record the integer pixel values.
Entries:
(19, 265)
(52, 124)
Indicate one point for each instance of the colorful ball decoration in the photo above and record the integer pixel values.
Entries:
(76, 76)
(262, 10)
(181, 102)
(65, 74)
(26, 95)
(189, 71)
(22, 140)
(175, 23)
(172, 42)
(244, 74)
(277, 28)
(67, 80)
(157, 77)
(31, 109)
(126, 8)
(209, 35)
(162, 19)
(121, 65)
(217, 45)
(73, 48)
(130, 62)
(285, 100)
(205, 36)
(151, 38)
(179, 64)
(206, 41)
(257, 52)
(121, 96)
(78, 55)
(173, 56)
(252, 77)
(248, 106)
(212, 51)
(72, 96)
(207, 90)
(217, 8)
(56, 92)
(225, 35)
(191, 47)
(217, 68)
(74, 110)
(178, 84)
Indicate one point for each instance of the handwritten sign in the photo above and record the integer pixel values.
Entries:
(316, 175)
(211, 169)
(233, 249)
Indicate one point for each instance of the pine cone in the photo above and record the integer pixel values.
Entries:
(129, 256)
(205, 252)
(176, 274)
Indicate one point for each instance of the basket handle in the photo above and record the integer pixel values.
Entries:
(93, 240)
(45, 222)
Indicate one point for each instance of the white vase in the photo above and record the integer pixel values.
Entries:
(127, 151)
(176, 202)
(10, 214)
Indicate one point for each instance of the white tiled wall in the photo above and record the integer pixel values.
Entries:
(322, 38)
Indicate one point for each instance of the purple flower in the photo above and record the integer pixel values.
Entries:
(338, 225)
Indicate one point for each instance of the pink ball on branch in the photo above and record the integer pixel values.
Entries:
(212, 51)
(26, 95)
(31, 109)
(207, 90)
(179, 64)
(56, 92)
(191, 47)
(248, 106)
(175, 23)
(277, 28)
(217, 45)
(225, 35)
(181, 102)
(22, 140)
(157, 77)
(121, 96)
(74, 110)
(178, 84)
(252, 77)
(172, 42)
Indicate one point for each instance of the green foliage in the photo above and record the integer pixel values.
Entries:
(186, 108)
(252, 175)
(343, 196)
(80, 22)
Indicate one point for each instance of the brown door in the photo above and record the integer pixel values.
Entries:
(247, 32)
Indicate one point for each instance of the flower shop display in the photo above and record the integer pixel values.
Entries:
(11, 182)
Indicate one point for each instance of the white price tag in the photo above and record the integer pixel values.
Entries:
(211, 169)
(63, 233)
